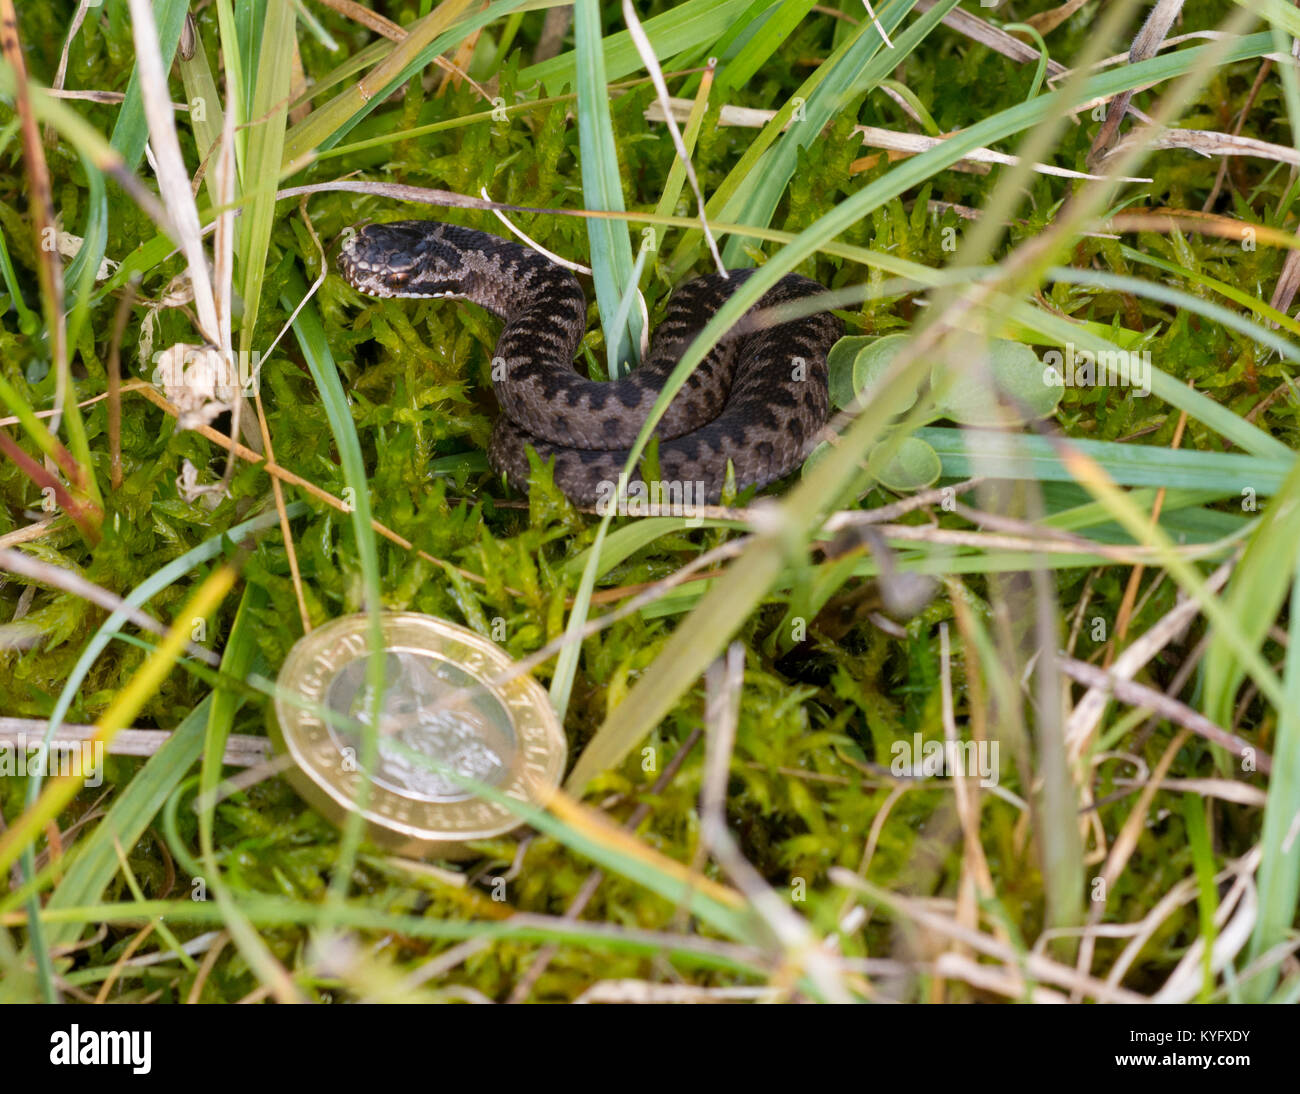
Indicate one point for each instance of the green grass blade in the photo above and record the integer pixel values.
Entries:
(866, 61)
(1221, 419)
(602, 188)
(96, 862)
(310, 333)
(684, 26)
(425, 39)
(1022, 456)
(269, 111)
(770, 36)
(129, 137)
(206, 112)
(1207, 896)
(1279, 869)
(1254, 596)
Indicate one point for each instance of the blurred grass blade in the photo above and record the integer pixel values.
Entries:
(1279, 868)
(1022, 456)
(125, 705)
(236, 662)
(95, 863)
(1254, 595)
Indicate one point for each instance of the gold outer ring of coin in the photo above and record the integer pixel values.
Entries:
(411, 824)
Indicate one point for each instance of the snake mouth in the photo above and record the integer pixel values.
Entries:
(389, 282)
(426, 291)
(392, 288)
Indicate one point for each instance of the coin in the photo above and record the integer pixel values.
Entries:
(452, 700)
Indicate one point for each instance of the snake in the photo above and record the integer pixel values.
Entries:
(757, 401)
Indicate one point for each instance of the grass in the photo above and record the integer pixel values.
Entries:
(813, 637)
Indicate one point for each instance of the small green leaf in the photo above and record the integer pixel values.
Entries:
(914, 466)
(814, 458)
(873, 361)
(856, 363)
(967, 396)
(839, 367)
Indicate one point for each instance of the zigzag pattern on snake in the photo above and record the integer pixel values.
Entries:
(758, 399)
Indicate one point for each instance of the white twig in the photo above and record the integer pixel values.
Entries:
(173, 181)
(575, 267)
(242, 749)
(872, 15)
(647, 52)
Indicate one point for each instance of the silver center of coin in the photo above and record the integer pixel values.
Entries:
(475, 738)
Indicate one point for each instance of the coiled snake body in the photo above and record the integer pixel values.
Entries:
(758, 399)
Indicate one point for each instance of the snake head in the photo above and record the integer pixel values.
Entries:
(408, 258)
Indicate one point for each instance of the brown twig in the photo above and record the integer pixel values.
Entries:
(1146, 44)
(1135, 577)
(41, 205)
(86, 515)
